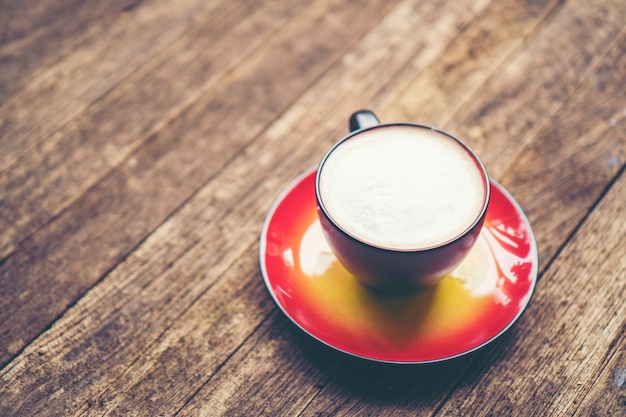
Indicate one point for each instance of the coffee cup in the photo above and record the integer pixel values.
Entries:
(400, 204)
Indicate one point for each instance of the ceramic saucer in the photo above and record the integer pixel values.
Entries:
(468, 309)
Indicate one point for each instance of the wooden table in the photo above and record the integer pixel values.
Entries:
(142, 144)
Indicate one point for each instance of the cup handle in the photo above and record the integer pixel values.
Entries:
(363, 119)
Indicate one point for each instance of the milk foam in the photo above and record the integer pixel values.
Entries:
(402, 187)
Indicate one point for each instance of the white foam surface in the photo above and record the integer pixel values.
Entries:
(402, 187)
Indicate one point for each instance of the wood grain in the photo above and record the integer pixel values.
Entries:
(606, 396)
(142, 145)
(574, 330)
(235, 176)
(507, 105)
(81, 52)
(111, 122)
(37, 34)
(48, 259)
(435, 93)
(122, 197)
(565, 171)
(132, 200)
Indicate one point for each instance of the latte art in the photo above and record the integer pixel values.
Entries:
(402, 187)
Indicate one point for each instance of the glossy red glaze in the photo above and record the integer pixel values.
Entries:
(469, 308)
(397, 272)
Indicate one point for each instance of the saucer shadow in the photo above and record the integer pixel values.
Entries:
(380, 384)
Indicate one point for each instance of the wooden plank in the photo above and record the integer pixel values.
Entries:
(130, 202)
(28, 18)
(573, 331)
(241, 387)
(184, 258)
(18, 20)
(45, 261)
(434, 94)
(66, 155)
(128, 309)
(578, 152)
(509, 105)
(485, 106)
(88, 370)
(606, 396)
(252, 151)
(312, 367)
(38, 188)
(57, 76)
(34, 34)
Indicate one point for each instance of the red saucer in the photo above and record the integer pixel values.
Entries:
(478, 302)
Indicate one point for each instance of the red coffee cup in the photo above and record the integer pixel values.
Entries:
(400, 204)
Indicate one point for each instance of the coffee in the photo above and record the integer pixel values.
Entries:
(402, 187)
